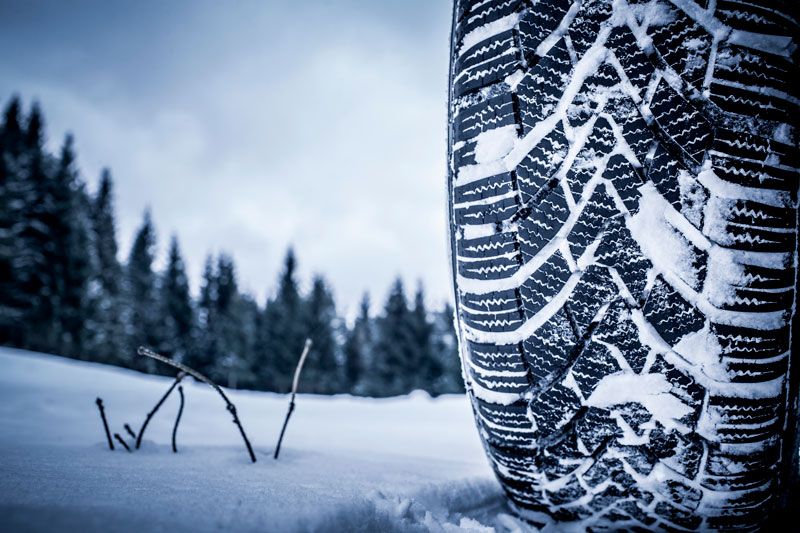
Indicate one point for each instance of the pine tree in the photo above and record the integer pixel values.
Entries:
(395, 351)
(322, 373)
(144, 328)
(232, 359)
(204, 353)
(446, 352)
(249, 323)
(425, 367)
(282, 332)
(72, 266)
(38, 264)
(176, 306)
(357, 350)
(106, 329)
(12, 301)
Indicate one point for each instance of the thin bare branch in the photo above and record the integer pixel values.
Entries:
(295, 383)
(99, 402)
(200, 377)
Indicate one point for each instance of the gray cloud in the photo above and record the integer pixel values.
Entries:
(248, 126)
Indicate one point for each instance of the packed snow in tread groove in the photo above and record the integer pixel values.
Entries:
(709, 246)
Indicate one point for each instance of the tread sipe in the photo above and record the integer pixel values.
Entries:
(623, 188)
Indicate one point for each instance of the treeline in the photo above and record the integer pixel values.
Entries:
(64, 290)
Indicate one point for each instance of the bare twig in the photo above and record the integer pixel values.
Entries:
(130, 431)
(177, 420)
(200, 377)
(122, 441)
(295, 382)
(99, 403)
(150, 415)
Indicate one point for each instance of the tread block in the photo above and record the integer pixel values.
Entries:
(553, 408)
(749, 16)
(754, 68)
(584, 29)
(637, 66)
(596, 87)
(496, 245)
(671, 315)
(481, 13)
(482, 189)
(597, 211)
(503, 321)
(756, 175)
(684, 45)
(514, 416)
(464, 154)
(570, 492)
(492, 213)
(620, 251)
(664, 171)
(535, 171)
(538, 23)
(497, 301)
(544, 284)
(593, 364)
(626, 180)
(599, 144)
(686, 126)
(547, 351)
(753, 344)
(749, 102)
(595, 428)
(617, 329)
(744, 237)
(744, 145)
(485, 115)
(542, 86)
(634, 129)
(507, 384)
(677, 516)
(684, 387)
(595, 289)
(495, 268)
(545, 220)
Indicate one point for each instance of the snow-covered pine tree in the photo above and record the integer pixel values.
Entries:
(141, 286)
(36, 263)
(445, 349)
(106, 329)
(425, 369)
(70, 248)
(12, 301)
(357, 350)
(201, 358)
(233, 360)
(248, 321)
(322, 373)
(283, 332)
(395, 352)
(176, 306)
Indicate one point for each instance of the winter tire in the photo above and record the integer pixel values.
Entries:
(623, 187)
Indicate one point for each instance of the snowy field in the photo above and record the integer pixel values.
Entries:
(347, 464)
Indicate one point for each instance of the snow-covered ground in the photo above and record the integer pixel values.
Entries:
(347, 464)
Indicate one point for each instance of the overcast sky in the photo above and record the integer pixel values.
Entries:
(247, 126)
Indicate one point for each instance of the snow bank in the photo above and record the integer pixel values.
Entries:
(403, 464)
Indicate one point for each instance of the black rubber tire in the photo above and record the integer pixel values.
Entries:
(623, 183)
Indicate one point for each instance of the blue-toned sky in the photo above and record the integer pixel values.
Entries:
(247, 126)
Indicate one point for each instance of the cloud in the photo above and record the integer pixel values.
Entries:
(245, 136)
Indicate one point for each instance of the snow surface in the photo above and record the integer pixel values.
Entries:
(347, 464)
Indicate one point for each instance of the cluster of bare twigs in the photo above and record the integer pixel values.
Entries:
(184, 371)
(136, 438)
